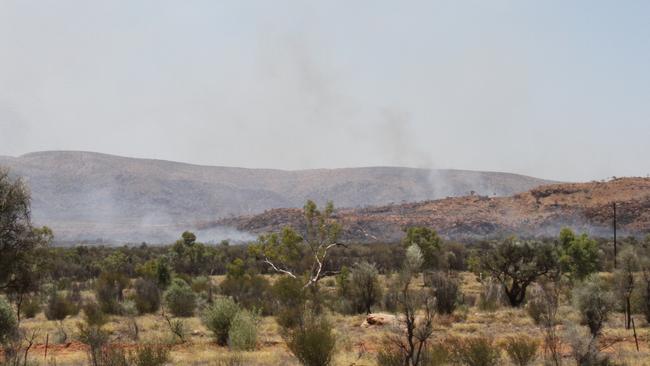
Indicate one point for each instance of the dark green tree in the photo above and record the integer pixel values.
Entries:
(578, 254)
(515, 264)
(189, 256)
(22, 258)
(429, 243)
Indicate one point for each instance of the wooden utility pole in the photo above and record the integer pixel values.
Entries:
(615, 249)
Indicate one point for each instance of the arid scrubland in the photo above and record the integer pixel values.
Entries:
(357, 343)
(299, 296)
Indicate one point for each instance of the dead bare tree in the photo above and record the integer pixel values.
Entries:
(416, 313)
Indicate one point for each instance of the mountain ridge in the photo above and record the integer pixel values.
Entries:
(86, 195)
(541, 211)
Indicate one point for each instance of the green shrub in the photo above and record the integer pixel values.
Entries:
(445, 289)
(522, 350)
(146, 296)
(112, 356)
(313, 343)
(8, 323)
(31, 306)
(290, 302)
(436, 355)
(95, 338)
(201, 284)
(595, 302)
(149, 355)
(389, 355)
(93, 314)
(218, 318)
(250, 291)
(180, 299)
(59, 307)
(364, 287)
(242, 335)
(476, 351)
(109, 289)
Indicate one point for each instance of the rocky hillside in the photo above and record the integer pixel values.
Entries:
(86, 195)
(537, 212)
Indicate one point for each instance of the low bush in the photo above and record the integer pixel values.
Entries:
(436, 355)
(59, 307)
(149, 355)
(177, 328)
(521, 350)
(95, 338)
(491, 296)
(389, 355)
(109, 289)
(201, 284)
(475, 351)
(290, 302)
(364, 287)
(218, 318)
(112, 356)
(242, 335)
(536, 305)
(31, 306)
(146, 296)
(446, 291)
(584, 347)
(93, 314)
(595, 302)
(313, 343)
(180, 299)
(250, 291)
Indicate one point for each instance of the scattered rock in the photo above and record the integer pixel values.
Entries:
(197, 333)
(378, 319)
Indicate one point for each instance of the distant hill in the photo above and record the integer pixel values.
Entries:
(85, 195)
(542, 211)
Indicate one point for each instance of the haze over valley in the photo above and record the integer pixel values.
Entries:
(89, 196)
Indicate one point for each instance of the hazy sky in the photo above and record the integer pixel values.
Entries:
(555, 89)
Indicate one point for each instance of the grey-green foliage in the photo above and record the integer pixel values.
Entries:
(414, 259)
(180, 299)
(595, 302)
(8, 323)
(218, 318)
(242, 335)
(584, 347)
(365, 289)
